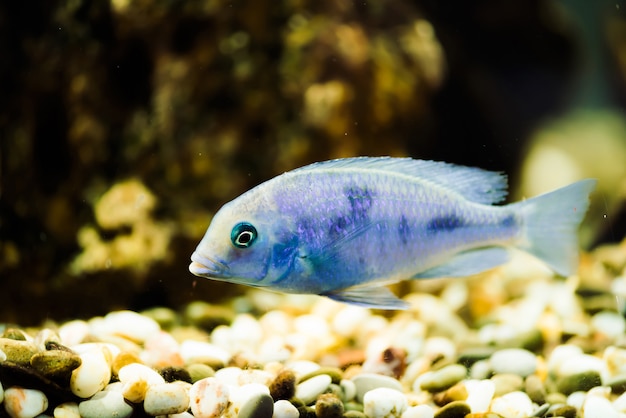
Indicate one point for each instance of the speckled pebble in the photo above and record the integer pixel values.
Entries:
(578, 382)
(367, 381)
(443, 378)
(328, 405)
(453, 410)
(513, 405)
(284, 385)
(419, 411)
(24, 403)
(310, 389)
(514, 361)
(166, 399)
(67, 410)
(136, 378)
(208, 398)
(384, 403)
(285, 409)
(17, 351)
(94, 372)
(259, 405)
(55, 364)
(105, 404)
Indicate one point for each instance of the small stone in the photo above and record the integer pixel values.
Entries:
(203, 352)
(284, 385)
(334, 373)
(578, 382)
(162, 350)
(556, 398)
(565, 411)
(67, 410)
(285, 409)
(443, 378)
(366, 381)
(74, 332)
(24, 403)
(598, 407)
(136, 378)
(17, 351)
(457, 392)
(514, 404)
(259, 405)
(56, 364)
(199, 371)
(105, 404)
(514, 361)
(507, 382)
(580, 364)
(609, 324)
(166, 399)
(453, 410)
(419, 411)
(94, 372)
(384, 403)
(310, 389)
(353, 413)
(328, 405)
(535, 389)
(124, 358)
(127, 324)
(208, 398)
(173, 374)
(479, 394)
(348, 390)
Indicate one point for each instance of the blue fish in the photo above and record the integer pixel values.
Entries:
(346, 228)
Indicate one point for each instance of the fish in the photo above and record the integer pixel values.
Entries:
(347, 228)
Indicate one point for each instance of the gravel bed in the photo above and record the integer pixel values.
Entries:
(515, 342)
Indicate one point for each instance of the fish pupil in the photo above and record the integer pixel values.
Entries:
(243, 235)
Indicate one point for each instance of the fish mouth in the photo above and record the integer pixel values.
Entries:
(207, 267)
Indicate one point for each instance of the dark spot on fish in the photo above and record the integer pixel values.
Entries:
(445, 223)
(404, 230)
(509, 221)
(360, 202)
(283, 253)
(338, 226)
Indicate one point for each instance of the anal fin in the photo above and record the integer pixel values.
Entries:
(374, 297)
(468, 263)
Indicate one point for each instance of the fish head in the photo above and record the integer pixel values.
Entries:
(240, 245)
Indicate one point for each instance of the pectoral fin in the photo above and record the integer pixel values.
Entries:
(375, 297)
(468, 263)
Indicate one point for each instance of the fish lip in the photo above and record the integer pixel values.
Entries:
(207, 267)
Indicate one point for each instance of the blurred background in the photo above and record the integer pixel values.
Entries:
(125, 124)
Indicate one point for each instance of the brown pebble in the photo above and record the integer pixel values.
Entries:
(56, 364)
(18, 351)
(283, 386)
(172, 374)
(349, 357)
(455, 409)
(328, 405)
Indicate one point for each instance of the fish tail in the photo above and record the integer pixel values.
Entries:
(551, 223)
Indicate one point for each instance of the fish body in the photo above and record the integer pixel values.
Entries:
(346, 228)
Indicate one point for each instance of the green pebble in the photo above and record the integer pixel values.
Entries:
(444, 378)
(18, 351)
(578, 382)
(335, 374)
(198, 371)
(353, 406)
(56, 364)
(14, 334)
(328, 405)
(556, 398)
(165, 317)
(565, 411)
(354, 414)
(534, 388)
(456, 409)
(307, 412)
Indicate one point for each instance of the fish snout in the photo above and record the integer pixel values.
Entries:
(207, 267)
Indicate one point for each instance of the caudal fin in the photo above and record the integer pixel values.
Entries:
(551, 223)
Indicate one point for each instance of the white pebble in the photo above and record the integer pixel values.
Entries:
(367, 381)
(576, 399)
(610, 324)
(598, 407)
(285, 409)
(136, 378)
(245, 332)
(310, 389)
(480, 370)
(349, 319)
(513, 405)
(615, 361)
(229, 375)
(24, 403)
(74, 332)
(419, 411)
(302, 367)
(384, 403)
(105, 405)
(67, 410)
(579, 364)
(479, 394)
(166, 399)
(94, 372)
(127, 324)
(202, 352)
(208, 398)
(348, 389)
(560, 354)
(620, 403)
(513, 360)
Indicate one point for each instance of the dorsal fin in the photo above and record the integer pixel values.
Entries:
(474, 184)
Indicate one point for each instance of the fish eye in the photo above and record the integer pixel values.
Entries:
(243, 235)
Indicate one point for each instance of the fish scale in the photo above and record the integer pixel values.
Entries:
(345, 228)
